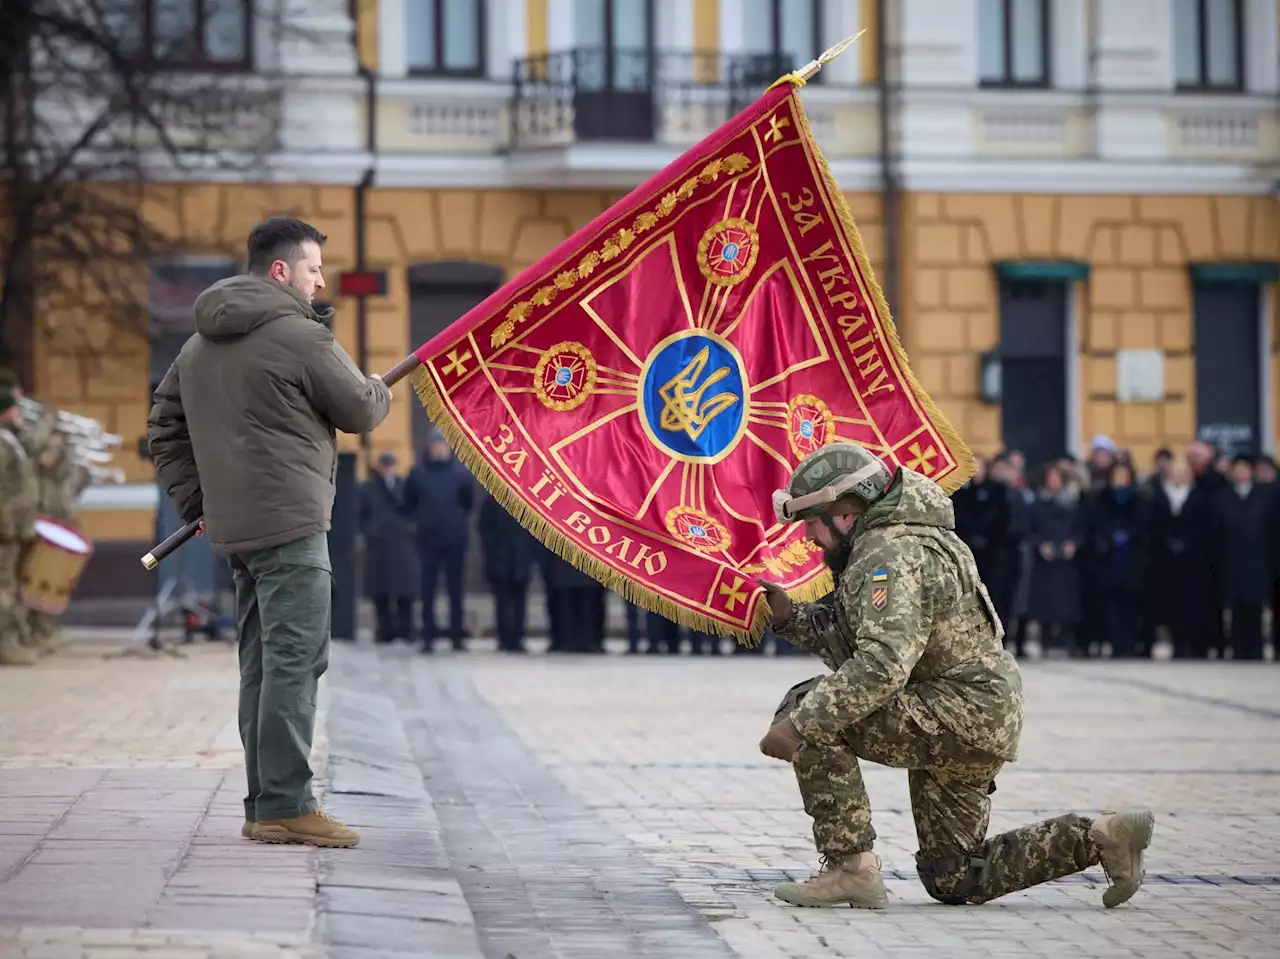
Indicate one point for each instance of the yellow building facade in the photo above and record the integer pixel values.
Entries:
(1113, 212)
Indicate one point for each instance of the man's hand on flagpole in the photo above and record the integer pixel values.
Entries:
(779, 603)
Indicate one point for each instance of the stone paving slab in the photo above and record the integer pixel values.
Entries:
(394, 895)
(663, 752)
(121, 802)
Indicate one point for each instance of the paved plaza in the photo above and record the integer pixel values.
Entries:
(537, 806)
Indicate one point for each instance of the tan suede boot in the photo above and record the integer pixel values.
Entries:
(247, 830)
(1121, 837)
(313, 829)
(855, 882)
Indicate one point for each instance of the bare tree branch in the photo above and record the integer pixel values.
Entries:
(99, 102)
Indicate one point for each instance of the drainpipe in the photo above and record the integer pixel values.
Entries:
(361, 196)
(888, 176)
(1092, 31)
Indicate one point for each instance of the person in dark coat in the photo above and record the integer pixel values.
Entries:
(664, 635)
(390, 561)
(983, 514)
(440, 494)
(1055, 531)
(575, 607)
(1119, 529)
(1243, 556)
(510, 552)
(1181, 580)
(1202, 458)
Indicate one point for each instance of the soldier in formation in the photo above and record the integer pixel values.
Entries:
(19, 502)
(61, 480)
(920, 681)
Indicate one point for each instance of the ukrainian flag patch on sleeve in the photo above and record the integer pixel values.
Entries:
(879, 589)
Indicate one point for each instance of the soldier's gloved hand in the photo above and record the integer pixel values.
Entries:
(779, 603)
(782, 741)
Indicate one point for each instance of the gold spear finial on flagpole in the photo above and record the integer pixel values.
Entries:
(805, 73)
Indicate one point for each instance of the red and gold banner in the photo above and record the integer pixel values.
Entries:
(636, 396)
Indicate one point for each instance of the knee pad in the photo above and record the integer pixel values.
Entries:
(793, 697)
(967, 869)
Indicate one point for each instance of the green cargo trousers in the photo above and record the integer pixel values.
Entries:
(283, 606)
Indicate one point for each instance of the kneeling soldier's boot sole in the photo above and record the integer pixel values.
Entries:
(1139, 827)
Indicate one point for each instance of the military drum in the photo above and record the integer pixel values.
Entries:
(51, 566)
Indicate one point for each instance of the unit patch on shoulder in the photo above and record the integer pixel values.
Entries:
(879, 589)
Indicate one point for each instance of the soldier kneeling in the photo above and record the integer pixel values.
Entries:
(920, 681)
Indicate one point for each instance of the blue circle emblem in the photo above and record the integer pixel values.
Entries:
(694, 396)
(698, 531)
(563, 376)
(730, 252)
(806, 429)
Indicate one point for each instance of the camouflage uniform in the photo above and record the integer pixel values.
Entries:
(19, 494)
(921, 681)
(61, 480)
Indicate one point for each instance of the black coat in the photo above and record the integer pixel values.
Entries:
(1182, 585)
(440, 495)
(558, 573)
(510, 550)
(1241, 547)
(390, 560)
(984, 521)
(1118, 527)
(1054, 595)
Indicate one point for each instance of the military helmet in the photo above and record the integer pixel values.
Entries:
(826, 475)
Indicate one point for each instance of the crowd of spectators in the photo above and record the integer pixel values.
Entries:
(1082, 558)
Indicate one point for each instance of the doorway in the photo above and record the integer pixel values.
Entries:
(440, 293)
(1033, 368)
(1228, 364)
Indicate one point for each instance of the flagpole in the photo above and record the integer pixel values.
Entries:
(806, 73)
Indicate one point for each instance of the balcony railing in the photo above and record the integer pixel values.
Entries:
(600, 94)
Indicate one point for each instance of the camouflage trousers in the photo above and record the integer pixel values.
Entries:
(44, 629)
(950, 787)
(14, 628)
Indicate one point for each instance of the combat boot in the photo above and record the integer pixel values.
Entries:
(1121, 837)
(248, 829)
(14, 653)
(855, 881)
(312, 829)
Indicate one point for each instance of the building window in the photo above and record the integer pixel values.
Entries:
(172, 289)
(790, 30)
(1208, 44)
(193, 34)
(614, 44)
(1013, 43)
(445, 37)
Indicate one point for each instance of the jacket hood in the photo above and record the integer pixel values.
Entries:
(238, 305)
(911, 500)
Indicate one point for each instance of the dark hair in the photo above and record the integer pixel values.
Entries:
(1119, 465)
(280, 238)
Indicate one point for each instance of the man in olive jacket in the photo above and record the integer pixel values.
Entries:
(243, 432)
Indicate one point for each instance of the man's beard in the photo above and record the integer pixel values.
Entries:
(837, 559)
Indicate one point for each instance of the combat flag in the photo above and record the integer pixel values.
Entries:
(635, 397)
